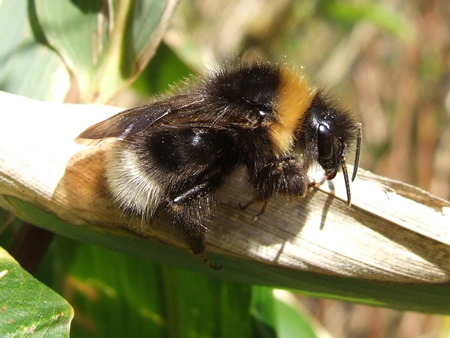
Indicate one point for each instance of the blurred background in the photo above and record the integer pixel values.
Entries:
(387, 61)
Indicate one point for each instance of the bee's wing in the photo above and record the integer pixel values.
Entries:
(184, 109)
(127, 123)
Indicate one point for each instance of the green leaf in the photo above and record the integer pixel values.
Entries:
(118, 295)
(263, 311)
(28, 66)
(201, 306)
(163, 71)
(432, 298)
(292, 323)
(106, 44)
(27, 307)
(377, 13)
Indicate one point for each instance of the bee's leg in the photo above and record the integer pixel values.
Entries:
(286, 175)
(253, 201)
(191, 210)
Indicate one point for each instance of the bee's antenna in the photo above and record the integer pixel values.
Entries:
(358, 150)
(347, 182)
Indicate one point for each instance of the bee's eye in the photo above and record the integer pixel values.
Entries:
(325, 143)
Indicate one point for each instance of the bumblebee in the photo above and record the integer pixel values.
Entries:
(175, 152)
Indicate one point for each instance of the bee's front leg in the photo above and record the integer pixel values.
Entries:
(287, 175)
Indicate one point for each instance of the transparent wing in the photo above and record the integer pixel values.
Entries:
(128, 122)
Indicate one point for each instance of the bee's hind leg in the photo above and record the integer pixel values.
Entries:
(191, 210)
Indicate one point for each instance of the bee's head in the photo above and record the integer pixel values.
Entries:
(327, 134)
